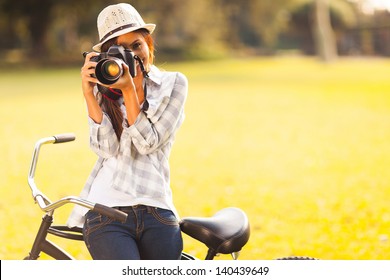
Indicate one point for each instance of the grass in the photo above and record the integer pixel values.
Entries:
(301, 146)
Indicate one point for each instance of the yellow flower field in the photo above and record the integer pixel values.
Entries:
(302, 147)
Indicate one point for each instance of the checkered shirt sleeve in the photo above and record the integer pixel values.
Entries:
(144, 147)
(143, 168)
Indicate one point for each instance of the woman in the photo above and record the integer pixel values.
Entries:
(132, 127)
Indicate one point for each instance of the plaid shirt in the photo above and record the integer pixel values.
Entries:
(144, 148)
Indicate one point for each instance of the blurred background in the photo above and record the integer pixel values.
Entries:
(57, 32)
(287, 117)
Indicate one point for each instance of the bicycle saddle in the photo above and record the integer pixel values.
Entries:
(226, 232)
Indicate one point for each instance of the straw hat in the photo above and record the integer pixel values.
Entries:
(119, 19)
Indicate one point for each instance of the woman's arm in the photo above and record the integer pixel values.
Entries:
(146, 134)
(132, 91)
(103, 140)
(88, 81)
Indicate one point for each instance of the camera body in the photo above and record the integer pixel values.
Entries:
(109, 64)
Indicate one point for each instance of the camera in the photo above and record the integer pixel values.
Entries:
(109, 64)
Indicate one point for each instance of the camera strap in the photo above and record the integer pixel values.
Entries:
(113, 94)
(145, 106)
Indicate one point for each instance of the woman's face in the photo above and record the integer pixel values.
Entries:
(135, 42)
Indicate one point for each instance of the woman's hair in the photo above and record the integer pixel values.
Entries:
(111, 107)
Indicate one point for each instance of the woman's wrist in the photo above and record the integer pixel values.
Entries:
(132, 105)
(87, 92)
(129, 90)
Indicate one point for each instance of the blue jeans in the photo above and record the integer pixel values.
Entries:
(149, 233)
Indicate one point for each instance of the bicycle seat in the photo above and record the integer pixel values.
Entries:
(226, 232)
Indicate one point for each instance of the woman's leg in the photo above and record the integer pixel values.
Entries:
(161, 235)
(107, 239)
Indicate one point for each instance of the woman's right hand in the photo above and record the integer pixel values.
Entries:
(88, 79)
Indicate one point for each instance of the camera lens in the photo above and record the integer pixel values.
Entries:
(111, 68)
(108, 71)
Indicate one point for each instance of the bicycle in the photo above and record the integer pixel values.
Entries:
(226, 232)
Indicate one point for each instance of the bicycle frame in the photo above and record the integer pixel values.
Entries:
(226, 232)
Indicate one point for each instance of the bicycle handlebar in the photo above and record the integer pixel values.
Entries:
(46, 205)
(63, 138)
(110, 212)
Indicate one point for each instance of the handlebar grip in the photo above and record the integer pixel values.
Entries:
(62, 138)
(110, 212)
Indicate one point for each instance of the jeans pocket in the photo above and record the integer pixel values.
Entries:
(164, 216)
(93, 222)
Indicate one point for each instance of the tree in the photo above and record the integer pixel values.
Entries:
(323, 33)
(309, 26)
(269, 19)
(36, 17)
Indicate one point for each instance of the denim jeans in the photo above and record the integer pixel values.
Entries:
(149, 233)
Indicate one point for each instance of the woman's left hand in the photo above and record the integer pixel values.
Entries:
(125, 83)
(132, 90)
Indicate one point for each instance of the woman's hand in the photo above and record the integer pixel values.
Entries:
(132, 90)
(125, 83)
(88, 79)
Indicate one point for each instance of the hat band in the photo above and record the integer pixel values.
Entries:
(116, 30)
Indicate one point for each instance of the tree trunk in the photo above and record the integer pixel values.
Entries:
(39, 22)
(324, 38)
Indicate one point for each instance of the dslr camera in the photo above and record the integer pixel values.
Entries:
(109, 64)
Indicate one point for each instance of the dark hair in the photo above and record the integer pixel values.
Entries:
(111, 107)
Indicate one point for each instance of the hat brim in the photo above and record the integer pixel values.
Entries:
(150, 27)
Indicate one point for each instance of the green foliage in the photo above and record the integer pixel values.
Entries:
(57, 32)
